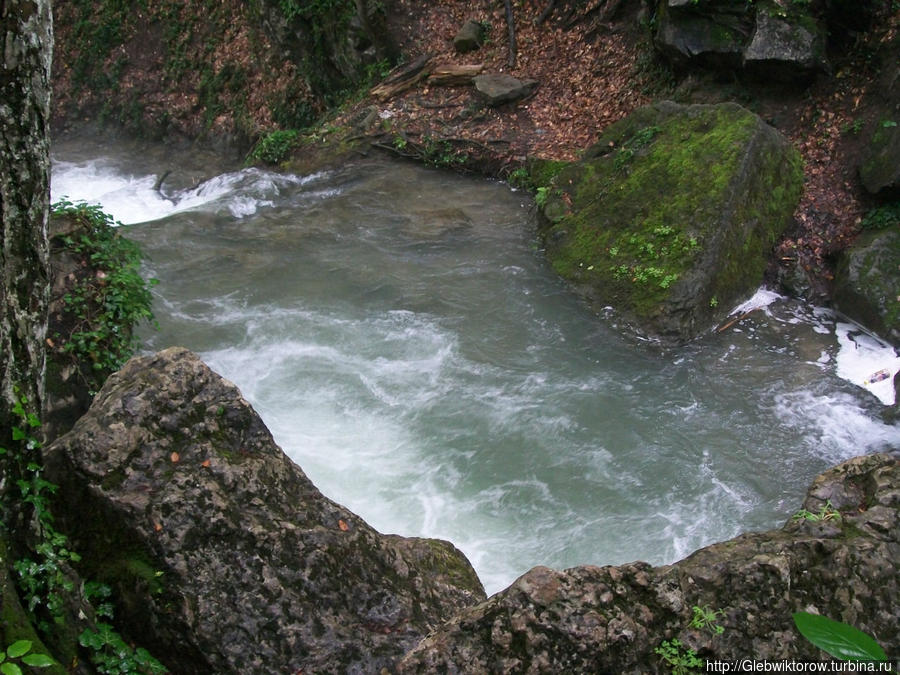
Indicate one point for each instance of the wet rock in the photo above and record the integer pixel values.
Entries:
(671, 216)
(222, 555)
(880, 171)
(469, 38)
(497, 88)
(610, 619)
(867, 283)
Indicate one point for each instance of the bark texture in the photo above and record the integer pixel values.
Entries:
(26, 34)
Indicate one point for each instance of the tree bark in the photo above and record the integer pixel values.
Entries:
(26, 38)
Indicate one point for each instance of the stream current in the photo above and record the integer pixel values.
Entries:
(400, 333)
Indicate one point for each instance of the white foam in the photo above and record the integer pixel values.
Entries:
(132, 199)
(762, 298)
(862, 356)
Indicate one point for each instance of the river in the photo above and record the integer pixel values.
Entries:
(401, 335)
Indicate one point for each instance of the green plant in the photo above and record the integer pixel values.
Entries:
(839, 639)
(886, 124)
(108, 303)
(882, 217)
(274, 147)
(680, 659)
(518, 178)
(708, 619)
(541, 195)
(827, 512)
(111, 655)
(713, 302)
(19, 651)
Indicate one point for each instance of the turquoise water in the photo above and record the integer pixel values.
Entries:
(400, 333)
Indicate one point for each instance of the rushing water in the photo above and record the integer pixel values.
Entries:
(410, 349)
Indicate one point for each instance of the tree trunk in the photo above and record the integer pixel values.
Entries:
(26, 39)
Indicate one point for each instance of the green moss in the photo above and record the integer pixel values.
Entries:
(636, 217)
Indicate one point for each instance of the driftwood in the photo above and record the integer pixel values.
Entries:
(449, 75)
(403, 77)
(737, 319)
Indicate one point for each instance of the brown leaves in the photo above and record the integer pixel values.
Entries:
(342, 524)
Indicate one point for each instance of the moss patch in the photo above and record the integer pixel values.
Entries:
(665, 193)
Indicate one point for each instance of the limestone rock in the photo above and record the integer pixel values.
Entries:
(497, 88)
(222, 555)
(867, 283)
(671, 216)
(610, 619)
(469, 38)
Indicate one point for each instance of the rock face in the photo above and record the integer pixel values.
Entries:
(610, 619)
(222, 555)
(765, 39)
(671, 216)
(497, 88)
(867, 283)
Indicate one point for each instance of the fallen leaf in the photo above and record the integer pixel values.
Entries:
(174, 457)
(206, 463)
(344, 526)
(157, 527)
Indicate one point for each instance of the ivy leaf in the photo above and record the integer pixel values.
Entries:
(10, 669)
(18, 648)
(838, 639)
(38, 661)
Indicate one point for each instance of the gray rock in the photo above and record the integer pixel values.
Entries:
(880, 170)
(712, 34)
(222, 555)
(497, 88)
(671, 216)
(610, 619)
(867, 283)
(785, 49)
(469, 38)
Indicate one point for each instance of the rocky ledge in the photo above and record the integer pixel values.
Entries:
(223, 556)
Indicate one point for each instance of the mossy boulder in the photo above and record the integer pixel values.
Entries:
(223, 556)
(670, 218)
(867, 283)
(880, 170)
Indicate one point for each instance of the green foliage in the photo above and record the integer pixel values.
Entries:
(275, 147)
(110, 302)
(19, 651)
(882, 217)
(541, 195)
(441, 153)
(640, 139)
(43, 580)
(838, 639)
(827, 512)
(680, 659)
(111, 655)
(707, 619)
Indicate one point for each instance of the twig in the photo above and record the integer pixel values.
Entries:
(726, 326)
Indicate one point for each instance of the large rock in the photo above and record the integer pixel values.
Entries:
(497, 88)
(785, 49)
(223, 557)
(880, 170)
(611, 619)
(469, 38)
(867, 283)
(766, 39)
(671, 216)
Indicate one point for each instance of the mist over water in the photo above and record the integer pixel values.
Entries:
(410, 349)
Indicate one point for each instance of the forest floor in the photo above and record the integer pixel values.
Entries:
(593, 70)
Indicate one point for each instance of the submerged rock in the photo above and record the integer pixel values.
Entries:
(611, 619)
(671, 216)
(222, 555)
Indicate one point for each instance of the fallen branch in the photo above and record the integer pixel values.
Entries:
(726, 326)
(403, 77)
(452, 75)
